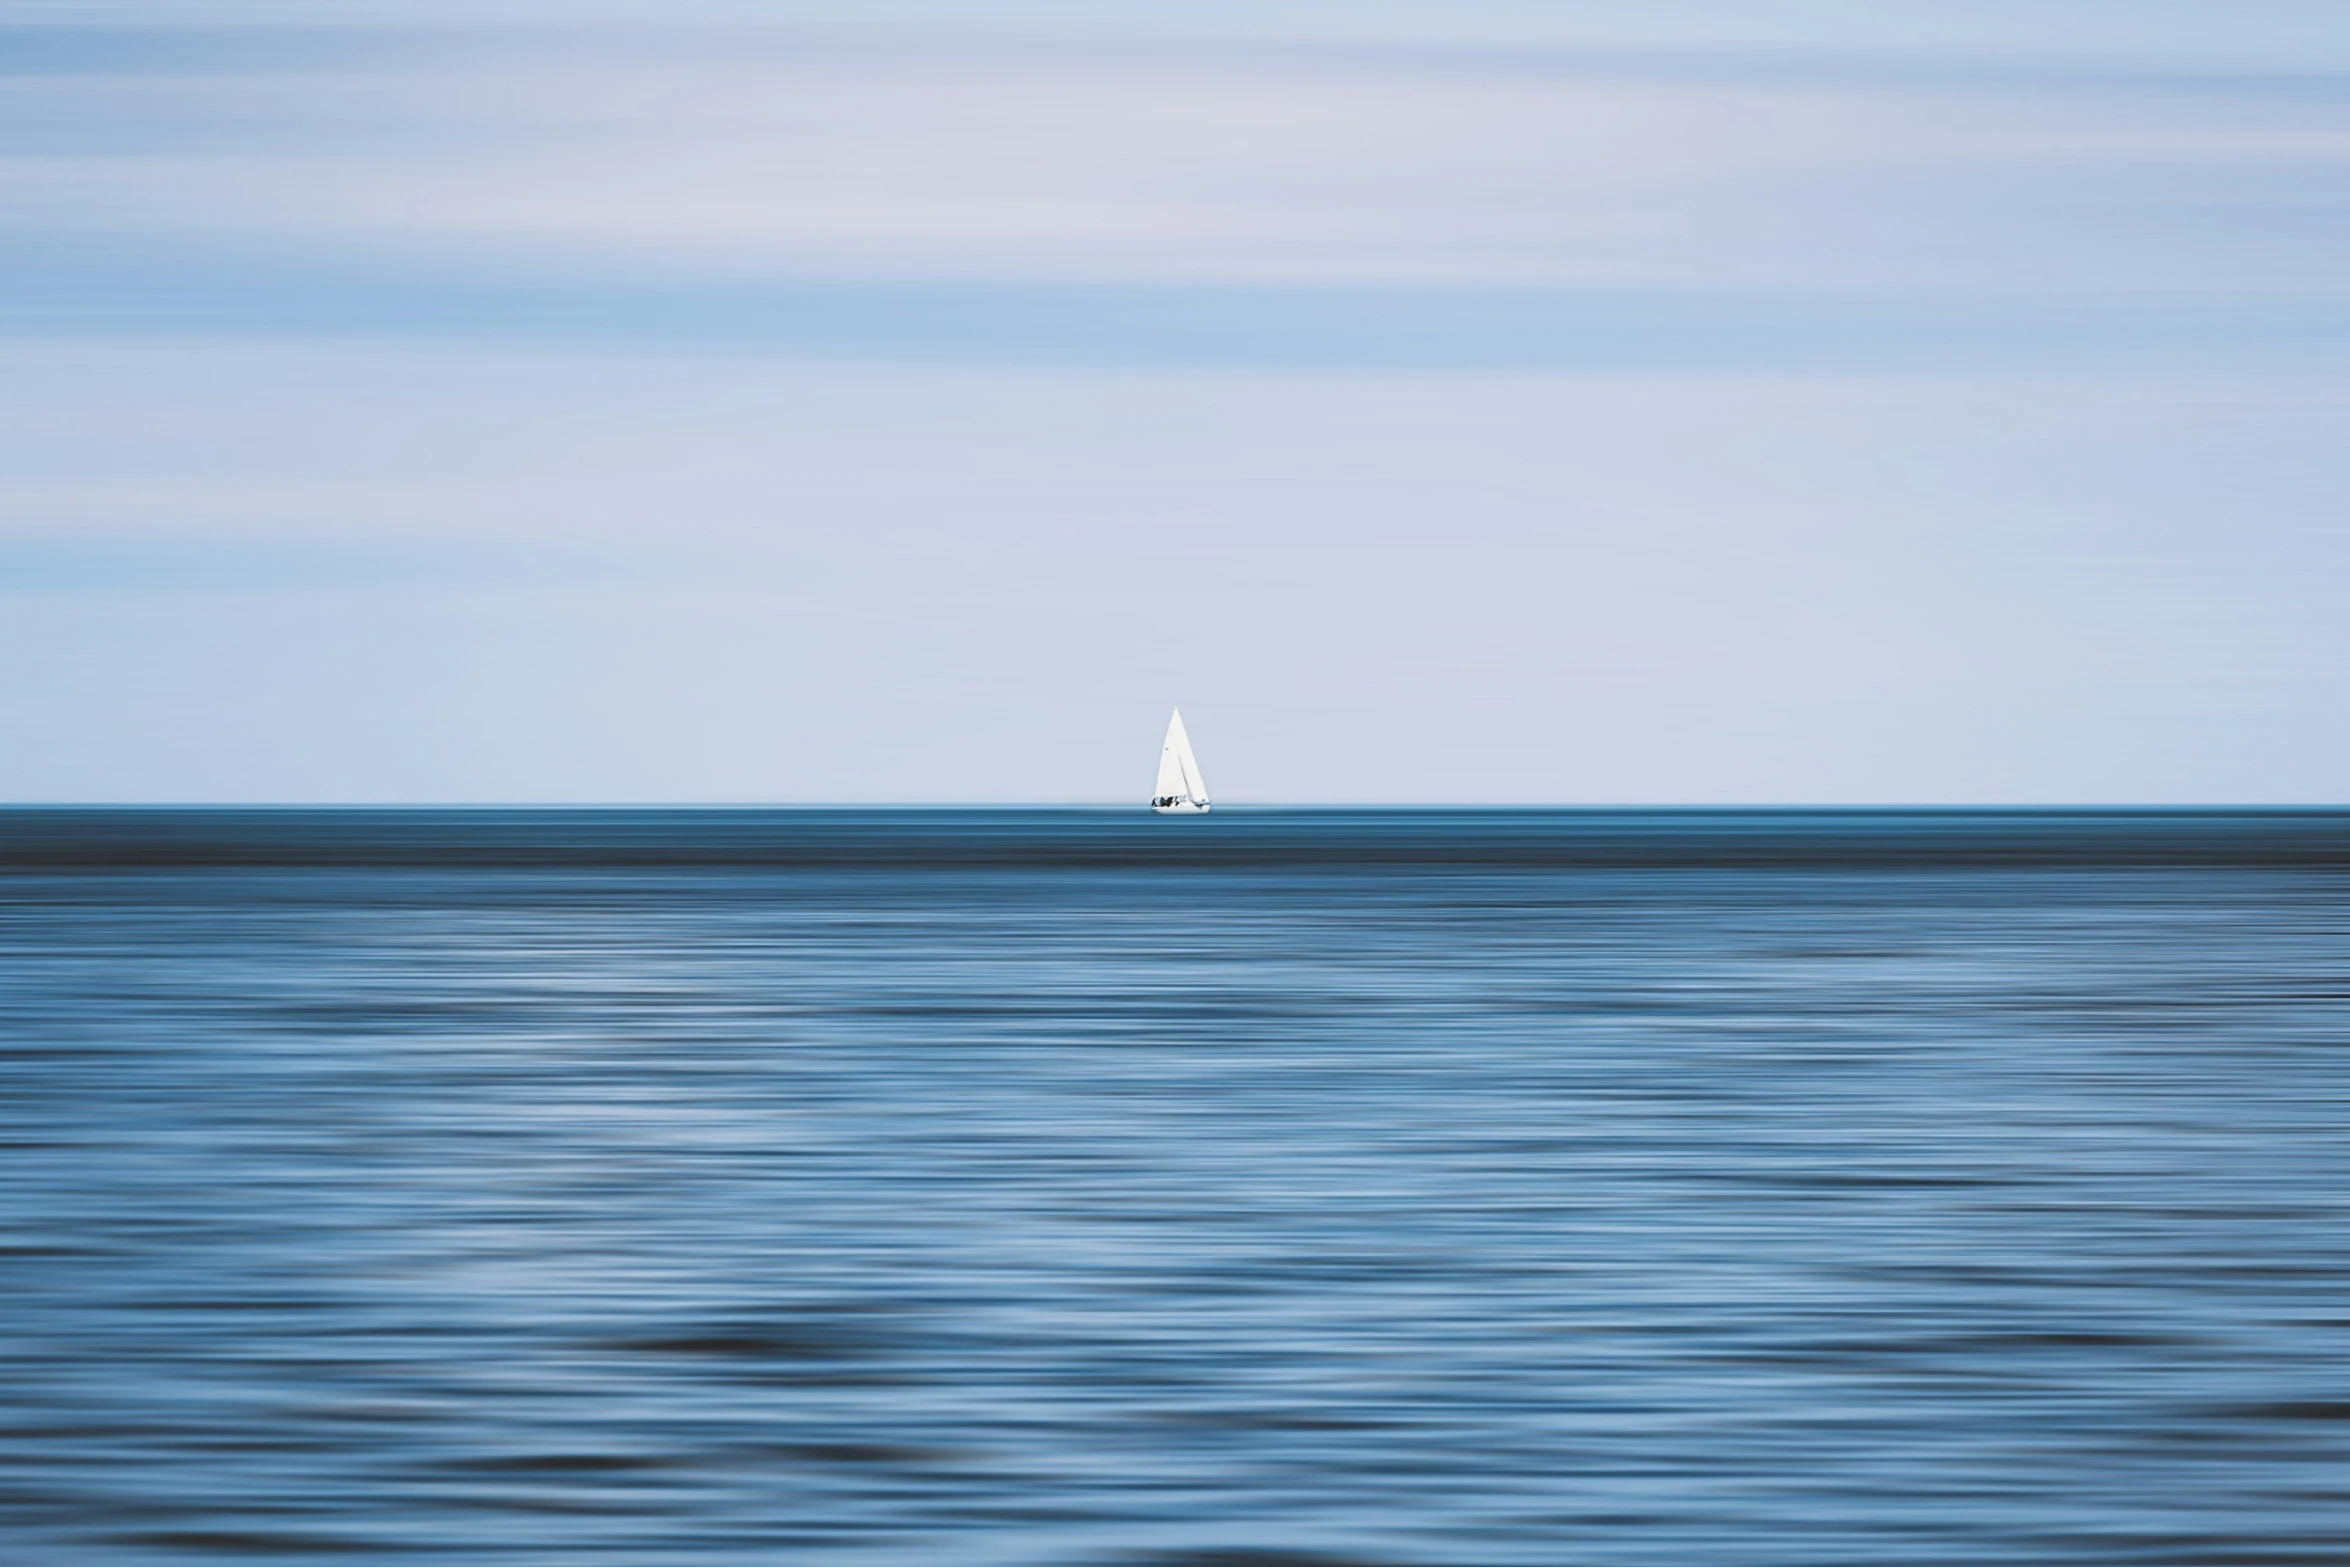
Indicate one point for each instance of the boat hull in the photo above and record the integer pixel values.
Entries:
(1181, 808)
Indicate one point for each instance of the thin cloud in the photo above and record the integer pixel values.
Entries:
(778, 160)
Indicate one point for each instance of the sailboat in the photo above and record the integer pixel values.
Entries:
(1180, 789)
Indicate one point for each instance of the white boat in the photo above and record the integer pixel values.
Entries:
(1180, 791)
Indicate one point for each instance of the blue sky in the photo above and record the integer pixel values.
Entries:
(1674, 402)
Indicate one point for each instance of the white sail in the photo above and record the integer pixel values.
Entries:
(1193, 784)
(1180, 787)
(1170, 784)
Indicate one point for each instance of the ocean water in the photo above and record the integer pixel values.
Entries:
(1272, 1189)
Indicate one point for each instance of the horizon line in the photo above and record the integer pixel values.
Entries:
(1245, 806)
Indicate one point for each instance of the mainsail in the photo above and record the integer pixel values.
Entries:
(1180, 787)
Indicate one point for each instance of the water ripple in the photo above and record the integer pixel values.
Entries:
(1274, 1190)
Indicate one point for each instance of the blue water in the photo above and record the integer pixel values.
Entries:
(1259, 1190)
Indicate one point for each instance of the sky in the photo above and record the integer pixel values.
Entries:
(1481, 401)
